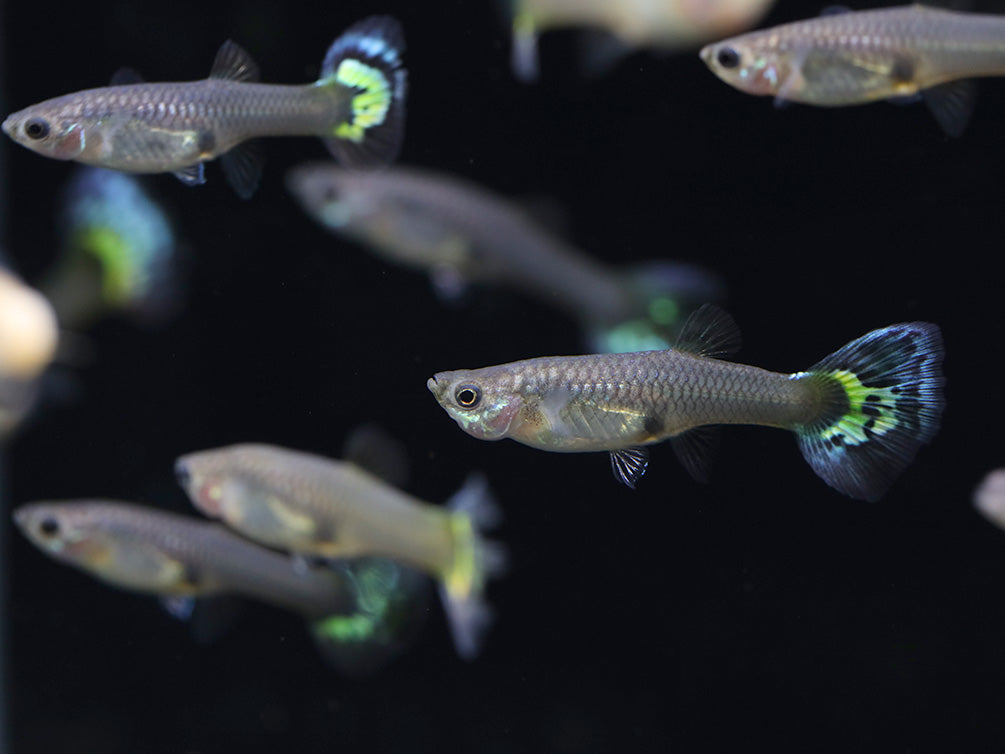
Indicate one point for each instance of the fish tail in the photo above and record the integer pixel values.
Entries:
(387, 606)
(364, 72)
(475, 559)
(663, 294)
(881, 400)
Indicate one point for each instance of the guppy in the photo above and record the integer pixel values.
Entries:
(360, 613)
(859, 415)
(321, 507)
(356, 107)
(462, 233)
(162, 553)
(850, 58)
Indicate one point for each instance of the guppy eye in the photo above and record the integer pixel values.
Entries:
(467, 396)
(36, 128)
(49, 527)
(728, 57)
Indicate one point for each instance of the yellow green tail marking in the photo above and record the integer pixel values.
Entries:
(370, 106)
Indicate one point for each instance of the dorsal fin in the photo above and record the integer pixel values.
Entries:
(233, 63)
(835, 10)
(125, 76)
(709, 331)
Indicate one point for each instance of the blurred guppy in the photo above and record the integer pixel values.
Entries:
(859, 415)
(665, 24)
(179, 559)
(333, 509)
(357, 107)
(462, 233)
(854, 57)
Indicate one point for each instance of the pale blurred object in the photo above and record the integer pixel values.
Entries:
(28, 340)
(663, 24)
(989, 498)
(28, 329)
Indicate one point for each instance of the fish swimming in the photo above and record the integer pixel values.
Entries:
(356, 611)
(332, 509)
(118, 252)
(855, 57)
(357, 107)
(859, 415)
(666, 24)
(460, 233)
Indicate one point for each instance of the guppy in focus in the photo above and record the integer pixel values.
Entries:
(851, 58)
(356, 107)
(325, 508)
(859, 415)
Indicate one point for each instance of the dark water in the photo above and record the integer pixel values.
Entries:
(763, 609)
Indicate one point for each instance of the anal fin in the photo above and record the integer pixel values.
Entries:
(696, 451)
(242, 167)
(952, 104)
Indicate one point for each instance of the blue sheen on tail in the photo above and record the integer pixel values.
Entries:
(882, 396)
(363, 68)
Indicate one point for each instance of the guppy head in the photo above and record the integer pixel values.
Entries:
(204, 477)
(48, 130)
(481, 406)
(68, 532)
(747, 64)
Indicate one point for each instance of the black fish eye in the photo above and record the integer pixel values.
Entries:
(467, 396)
(49, 527)
(728, 57)
(36, 128)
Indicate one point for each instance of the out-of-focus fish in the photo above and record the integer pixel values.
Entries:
(28, 339)
(118, 251)
(673, 24)
(859, 415)
(989, 497)
(357, 611)
(850, 58)
(460, 232)
(356, 107)
(333, 509)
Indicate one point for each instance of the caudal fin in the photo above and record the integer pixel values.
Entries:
(364, 67)
(883, 400)
(475, 561)
(664, 294)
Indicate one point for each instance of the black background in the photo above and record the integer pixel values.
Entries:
(763, 609)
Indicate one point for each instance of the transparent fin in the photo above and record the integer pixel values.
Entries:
(709, 331)
(523, 54)
(179, 608)
(952, 104)
(242, 167)
(475, 561)
(629, 465)
(882, 400)
(193, 175)
(371, 448)
(835, 10)
(125, 76)
(233, 63)
(600, 52)
(696, 450)
(363, 70)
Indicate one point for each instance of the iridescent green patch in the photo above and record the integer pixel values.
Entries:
(119, 275)
(356, 627)
(871, 411)
(370, 106)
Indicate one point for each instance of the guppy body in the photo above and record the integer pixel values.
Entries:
(168, 126)
(859, 415)
(161, 553)
(612, 401)
(855, 57)
(334, 509)
(356, 107)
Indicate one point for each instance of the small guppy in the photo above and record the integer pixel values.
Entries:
(859, 415)
(321, 507)
(360, 613)
(854, 57)
(357, 107)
